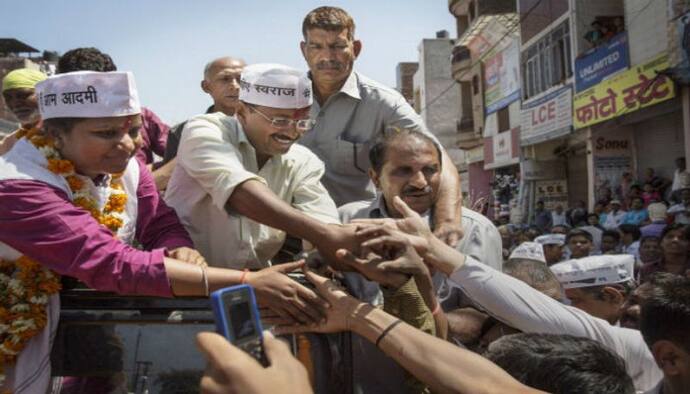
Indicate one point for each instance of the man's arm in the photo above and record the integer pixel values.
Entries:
(442, 366)
(448, 207)
(217, 166)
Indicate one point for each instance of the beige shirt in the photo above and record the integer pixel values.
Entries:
(214, 157)
(347, 126)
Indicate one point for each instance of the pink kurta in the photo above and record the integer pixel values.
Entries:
(40, 221)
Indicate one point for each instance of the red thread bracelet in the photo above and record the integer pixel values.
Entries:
(437, 309)
(244, 276)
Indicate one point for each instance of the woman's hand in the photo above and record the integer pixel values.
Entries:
(343, 309)
(289, 300)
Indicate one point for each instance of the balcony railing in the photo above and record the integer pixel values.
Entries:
(461, 60)
(467, 136)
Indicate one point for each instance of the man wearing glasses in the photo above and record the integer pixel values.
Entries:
(242, 183)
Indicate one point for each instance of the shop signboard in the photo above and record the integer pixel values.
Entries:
(501, 150)
(548, 117)
(535, 170)
(612, 156)
(627, 92)
(552, 193)
(502, 77)
(600, 62)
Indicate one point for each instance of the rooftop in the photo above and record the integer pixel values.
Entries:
(12, 45)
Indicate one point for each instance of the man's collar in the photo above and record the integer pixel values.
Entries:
(211, 109)
(350, 87)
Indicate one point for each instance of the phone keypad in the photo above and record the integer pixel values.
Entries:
(255, 350)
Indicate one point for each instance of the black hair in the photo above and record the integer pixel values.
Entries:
(632, 229)
(626, 288)
(676, 226)
(59, 125)
(561, 364)
(665, 313)
(85, 59)
(377, 153)
(611, 233)
(649, 238)
(578, 231)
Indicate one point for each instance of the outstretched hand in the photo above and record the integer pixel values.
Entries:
(289, 300)
(339, 317)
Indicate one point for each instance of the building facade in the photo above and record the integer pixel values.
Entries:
(486, 65)
(602, 92)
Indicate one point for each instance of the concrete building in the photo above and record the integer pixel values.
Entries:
(436, 96)
(404, 73)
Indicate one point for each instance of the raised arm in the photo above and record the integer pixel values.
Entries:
(444, 367)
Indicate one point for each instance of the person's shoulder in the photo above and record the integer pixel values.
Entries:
(475, 217)
(354, 210)
(373, 89)
(215, 120)
(301, 154)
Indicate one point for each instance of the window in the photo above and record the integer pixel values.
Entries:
(503, 117)
(475, 85)
(547, 62)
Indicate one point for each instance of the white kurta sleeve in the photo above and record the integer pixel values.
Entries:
(215, 163)
(528, 310)
(310, 196)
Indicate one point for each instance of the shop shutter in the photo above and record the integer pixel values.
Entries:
(659, 142)
(577, 177)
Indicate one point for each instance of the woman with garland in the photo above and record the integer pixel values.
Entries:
(73, 202)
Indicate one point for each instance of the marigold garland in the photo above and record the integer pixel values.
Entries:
(26, 285)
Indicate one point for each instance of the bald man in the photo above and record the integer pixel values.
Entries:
(221, 82)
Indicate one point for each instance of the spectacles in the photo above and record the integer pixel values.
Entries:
(283, 123)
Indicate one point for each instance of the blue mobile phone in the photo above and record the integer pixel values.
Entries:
(237, 319)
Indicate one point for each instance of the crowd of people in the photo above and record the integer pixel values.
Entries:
(336, 168)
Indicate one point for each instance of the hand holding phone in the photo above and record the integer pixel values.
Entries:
(237, 319)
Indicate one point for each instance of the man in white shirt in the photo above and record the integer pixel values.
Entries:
(241, 183)
(680, 177)
(599, 285)
(558, 216)
(615, 217)
(553, 245)
(680, 211)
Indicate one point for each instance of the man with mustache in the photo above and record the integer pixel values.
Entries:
(351, 110)
(407, 163)
(20, 98)
(241, 182)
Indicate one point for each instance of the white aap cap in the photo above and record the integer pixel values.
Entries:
(595, 270)
(551, 239)
(529, 251)
(88, 94)
(275, 86)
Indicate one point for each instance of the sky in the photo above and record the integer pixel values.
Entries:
(166, 43)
